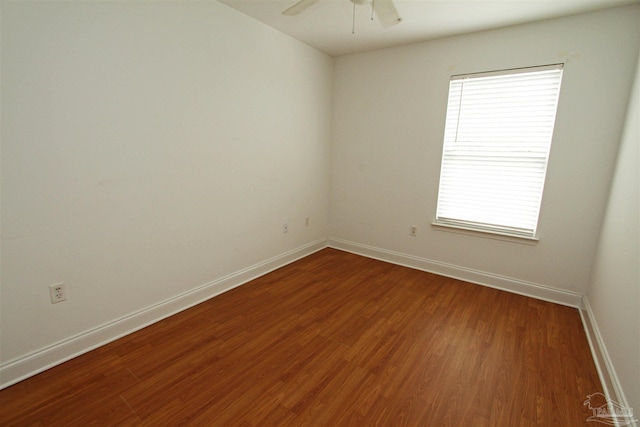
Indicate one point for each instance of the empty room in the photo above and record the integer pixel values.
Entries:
(332, 212)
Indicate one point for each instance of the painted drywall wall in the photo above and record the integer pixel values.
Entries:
(614, 291)
(389, 114)
(149, 148)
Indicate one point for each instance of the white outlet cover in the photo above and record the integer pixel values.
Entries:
(57, 293)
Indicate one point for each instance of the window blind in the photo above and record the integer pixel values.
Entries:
(496, 146)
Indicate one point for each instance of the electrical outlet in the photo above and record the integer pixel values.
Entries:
(285, 227)
(413, 231)
(57, 293)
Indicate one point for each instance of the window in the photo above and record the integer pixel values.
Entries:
(496, 146)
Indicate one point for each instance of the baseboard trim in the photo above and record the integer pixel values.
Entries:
(558, 296)
(611, 386)
(18, 369)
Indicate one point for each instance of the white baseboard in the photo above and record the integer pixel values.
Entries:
(31, 364)
(478, 277)
(611, 386)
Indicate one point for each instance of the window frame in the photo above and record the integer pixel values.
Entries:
(495, 230)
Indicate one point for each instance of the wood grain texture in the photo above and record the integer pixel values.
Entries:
(333, 339)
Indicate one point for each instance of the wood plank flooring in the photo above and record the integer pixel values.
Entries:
(334, 339)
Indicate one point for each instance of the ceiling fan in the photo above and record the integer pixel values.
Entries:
(385, 9)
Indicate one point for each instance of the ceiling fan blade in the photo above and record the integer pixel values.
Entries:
(299, 7)
(387, 13)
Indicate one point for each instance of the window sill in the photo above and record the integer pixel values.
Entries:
(487, 234)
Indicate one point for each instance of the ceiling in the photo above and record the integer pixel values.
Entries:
(327, 25)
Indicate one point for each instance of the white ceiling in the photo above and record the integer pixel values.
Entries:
(327, 24)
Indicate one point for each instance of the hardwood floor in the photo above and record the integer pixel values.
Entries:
(333, 339)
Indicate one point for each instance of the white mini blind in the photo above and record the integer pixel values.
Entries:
(496, 146)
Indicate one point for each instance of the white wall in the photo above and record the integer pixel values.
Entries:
(614, 292)
(149, 148)
(389, 114)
